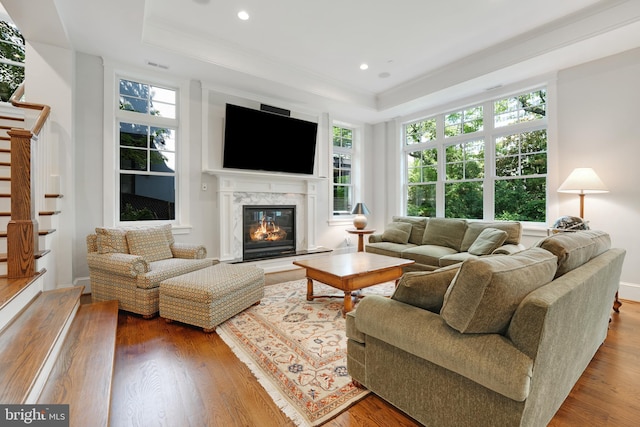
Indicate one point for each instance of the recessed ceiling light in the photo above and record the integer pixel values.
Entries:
(243, 15)
(364, 66)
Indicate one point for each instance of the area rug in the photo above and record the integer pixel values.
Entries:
(297, 349)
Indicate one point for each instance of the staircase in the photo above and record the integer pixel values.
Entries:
(53, 348)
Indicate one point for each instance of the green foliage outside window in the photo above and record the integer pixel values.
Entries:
(342, 183)
(521, 199)
(12, 56)
(422, 175)
(519, 179)
(422, 131)
(463, 122)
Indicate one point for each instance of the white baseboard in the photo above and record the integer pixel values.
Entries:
(83, 281)
(629, 291)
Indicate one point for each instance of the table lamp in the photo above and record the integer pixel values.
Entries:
(360, 220)
(583, 181)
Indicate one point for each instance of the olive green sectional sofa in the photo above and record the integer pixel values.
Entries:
(497, 340)
(438, 242)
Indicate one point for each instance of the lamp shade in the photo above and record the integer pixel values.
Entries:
(360, 209)
(583, 181)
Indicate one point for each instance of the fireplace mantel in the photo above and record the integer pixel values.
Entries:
(235, 188)
(264, 182)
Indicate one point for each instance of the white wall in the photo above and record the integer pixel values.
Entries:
(598, 127)
(88, 165)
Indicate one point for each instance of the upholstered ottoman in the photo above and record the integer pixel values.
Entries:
(209, 296)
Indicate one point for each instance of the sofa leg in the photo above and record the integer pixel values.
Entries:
(616, 304)
(208, 330)
(148, 316)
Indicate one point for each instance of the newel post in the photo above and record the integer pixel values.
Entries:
(22, 231)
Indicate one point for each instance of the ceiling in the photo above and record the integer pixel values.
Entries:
(307, 54)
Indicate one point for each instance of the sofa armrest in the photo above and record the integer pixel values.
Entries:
(188, 251)
(509, 249)
(118, 264)
(488, 359)
(375, 238)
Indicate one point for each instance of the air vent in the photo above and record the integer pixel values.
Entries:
(156, 65)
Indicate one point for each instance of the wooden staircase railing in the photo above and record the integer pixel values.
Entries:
(22, 230)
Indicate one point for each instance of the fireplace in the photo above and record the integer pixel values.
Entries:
(268, 231)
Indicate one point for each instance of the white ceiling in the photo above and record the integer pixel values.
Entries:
(307, 53)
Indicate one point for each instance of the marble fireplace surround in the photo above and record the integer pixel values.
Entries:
(238, 188)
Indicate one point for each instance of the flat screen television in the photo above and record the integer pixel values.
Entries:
(264, 141)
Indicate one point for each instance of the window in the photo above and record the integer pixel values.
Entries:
(147, 129)
(12, 51)
(342, 172)
(487, 161)
(464, 180)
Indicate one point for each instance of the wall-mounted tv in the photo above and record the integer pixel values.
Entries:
(260, 140)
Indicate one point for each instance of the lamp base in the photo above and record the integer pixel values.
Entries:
(360, 222)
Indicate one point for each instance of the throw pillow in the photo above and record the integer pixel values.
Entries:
(446, 232)
(487, 291)
(418, 224)
(488, 241)
(425, 289)
(111, 240)
(150, 243)
(575, 248)
(397, 232)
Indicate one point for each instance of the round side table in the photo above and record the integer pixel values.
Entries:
(360, 234)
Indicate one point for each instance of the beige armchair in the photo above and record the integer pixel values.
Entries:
(128, 264)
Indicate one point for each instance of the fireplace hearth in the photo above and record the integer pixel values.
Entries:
(269, 231)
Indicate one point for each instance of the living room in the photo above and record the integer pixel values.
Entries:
(591, 123)
(583, 124)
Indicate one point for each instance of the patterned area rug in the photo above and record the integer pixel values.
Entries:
(297, 349)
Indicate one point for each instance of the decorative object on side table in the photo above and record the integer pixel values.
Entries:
(360, 234)
(583, 181)
(360, 220)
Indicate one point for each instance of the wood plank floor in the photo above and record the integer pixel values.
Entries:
(175, 375)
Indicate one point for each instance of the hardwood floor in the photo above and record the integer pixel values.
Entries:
(175, 375)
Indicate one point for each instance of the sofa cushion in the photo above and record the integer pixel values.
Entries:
(444, 232)
(425, 289)
(487, 290)
(168, 268)
(149, 243)
(112, 240)
(575, 248)
(474, 228)
(388, 248)
(397, 232)
(427, 254)
(417, 227)
(488, 241)
(455, 258)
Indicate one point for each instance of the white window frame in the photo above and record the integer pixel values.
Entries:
(489, 134)
(356, 170)
(346, 151)
(111, 172)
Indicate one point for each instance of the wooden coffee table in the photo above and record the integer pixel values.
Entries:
(351, 272)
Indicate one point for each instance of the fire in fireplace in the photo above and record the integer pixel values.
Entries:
(268, 231)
